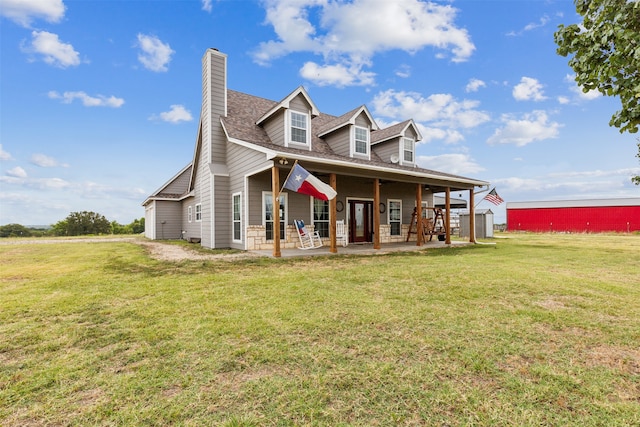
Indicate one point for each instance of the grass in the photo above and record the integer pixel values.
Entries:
(537, 330)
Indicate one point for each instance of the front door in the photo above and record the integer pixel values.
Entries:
(360, 221)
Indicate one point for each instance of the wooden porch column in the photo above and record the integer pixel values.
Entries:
(472, 217)
(447, 219)
(376, 213)
(419, 215)
(275, 188)
(333, 247)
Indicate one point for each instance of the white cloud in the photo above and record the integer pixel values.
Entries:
(531, 26)
(474, 85)
(563, 100)
(529, 89)
(207, 6)
(54, 51)
(348, 34)
(336, 75)
(578, 92)
(17, 172)
(155, 55)
(175, 115)
(23, 12)
(534, 126)
(45, 161)
(87, 100)
(403, 71)
(449, 136)
(5, 155)
(455, 163)
(437, 109)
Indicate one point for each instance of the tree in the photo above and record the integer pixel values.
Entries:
(83, 223)
(14, 230)
(606, 55)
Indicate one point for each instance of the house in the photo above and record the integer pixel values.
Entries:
(244, 150)
(576, 216)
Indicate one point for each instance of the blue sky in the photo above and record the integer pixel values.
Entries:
(99, 100)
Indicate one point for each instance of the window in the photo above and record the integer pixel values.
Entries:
(408, 147)
(298, 128)
(198, 212)
(395, 217)
(361, 140)
(237, 223)
(190, 213)
(268, 214)
(321, 217)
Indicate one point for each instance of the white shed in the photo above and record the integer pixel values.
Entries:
(484, 224)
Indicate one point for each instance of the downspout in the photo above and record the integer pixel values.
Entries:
(474, 228)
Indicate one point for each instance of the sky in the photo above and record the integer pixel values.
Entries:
(100, 100)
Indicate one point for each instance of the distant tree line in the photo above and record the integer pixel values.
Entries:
(76, 224)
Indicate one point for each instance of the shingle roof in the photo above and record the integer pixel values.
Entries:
(243, 111)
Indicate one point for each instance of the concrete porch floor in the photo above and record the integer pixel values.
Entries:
(362, 249)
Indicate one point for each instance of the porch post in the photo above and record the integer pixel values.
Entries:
(376, 213)
(472, 217)
(275, 188)
(419, 215)
(447, 219)
(333, 248)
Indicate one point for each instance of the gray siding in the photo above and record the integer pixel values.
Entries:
(299, 103)
(168, 220)
(275, 128)
(387, 149)
(180, 184)
(222, 208)
(362, 120)
(339, 141)
(192, 228)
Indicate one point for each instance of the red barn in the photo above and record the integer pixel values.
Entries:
(576, 216)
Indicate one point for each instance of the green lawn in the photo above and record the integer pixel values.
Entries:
(538, 330)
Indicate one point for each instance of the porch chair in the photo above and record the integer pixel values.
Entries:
(341, 233)
(307, 240)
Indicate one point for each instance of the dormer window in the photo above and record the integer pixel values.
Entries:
(299, 127)
(361, 140)
(408, 150)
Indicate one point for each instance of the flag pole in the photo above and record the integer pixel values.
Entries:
(287, 178)
(480, 192)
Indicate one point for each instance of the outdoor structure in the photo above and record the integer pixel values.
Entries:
(483, 224)
(575, 216)
(230, 195)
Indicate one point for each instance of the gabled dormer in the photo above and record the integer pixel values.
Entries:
(288, 123)
(397, 143)
(350, 134)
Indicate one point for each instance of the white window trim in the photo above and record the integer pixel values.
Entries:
(233, 220)
(287, 123)
(354, 153)
(413, 150)
(198, 212)
(190, 213)
(264, 212)
(389, 214)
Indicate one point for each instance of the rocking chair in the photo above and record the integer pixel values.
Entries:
(307, 240)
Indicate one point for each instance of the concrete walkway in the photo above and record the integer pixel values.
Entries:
(362, 249)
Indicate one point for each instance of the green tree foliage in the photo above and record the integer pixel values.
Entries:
(83, 223)
(605, 51)
(14, 230)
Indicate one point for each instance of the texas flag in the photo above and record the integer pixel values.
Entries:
(301, 181)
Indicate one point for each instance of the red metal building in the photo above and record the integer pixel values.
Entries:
(576, 216)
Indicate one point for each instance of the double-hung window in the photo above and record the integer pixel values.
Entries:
(198, 212)
(361, 140)
(408, 149)
(268, 214)
(190, 213)
(237, 219)
(321, 217)
(299, 128)
(395, 217)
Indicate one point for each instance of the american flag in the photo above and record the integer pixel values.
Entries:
(493, 197)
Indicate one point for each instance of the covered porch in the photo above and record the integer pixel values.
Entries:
(419, 184)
